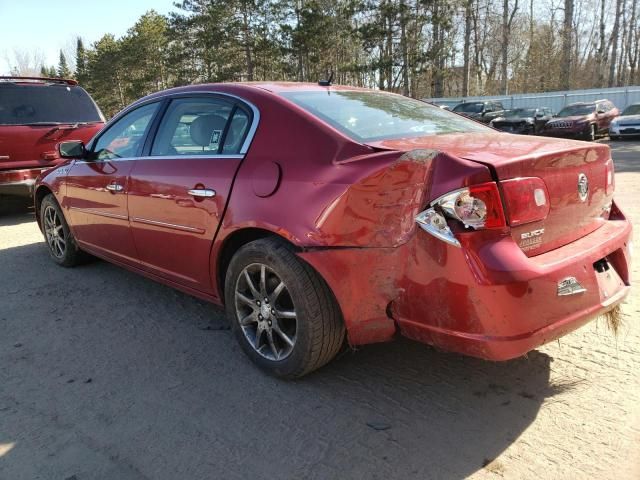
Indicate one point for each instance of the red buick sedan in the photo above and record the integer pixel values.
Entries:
(316, 214)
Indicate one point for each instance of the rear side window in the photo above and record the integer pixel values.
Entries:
(37, 104)
(201, 126)
(369, 116)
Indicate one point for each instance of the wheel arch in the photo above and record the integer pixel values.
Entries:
(41, 192)
(234, 242)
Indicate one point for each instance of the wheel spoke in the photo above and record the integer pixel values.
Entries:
(252, 287)
(258, 342)
(263, 280)
(276, 293)
(244, 299)
(286, 313)
(282, 335)
(272, 344)
(248, 319)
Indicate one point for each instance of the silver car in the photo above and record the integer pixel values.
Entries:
(627, 124)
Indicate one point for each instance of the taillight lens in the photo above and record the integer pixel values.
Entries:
(611, 179)
(526, 200)
(477, 207)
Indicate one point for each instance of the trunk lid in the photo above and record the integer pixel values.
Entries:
(559, 163)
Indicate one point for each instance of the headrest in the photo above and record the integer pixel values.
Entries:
(207, 129)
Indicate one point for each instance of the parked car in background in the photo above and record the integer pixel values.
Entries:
(522, 120)
(318, 213)
(585, 121)
(481, 111)
(35, 115)
(627, 124)
(444, 104)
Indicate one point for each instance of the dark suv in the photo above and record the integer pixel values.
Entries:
(523, 121)
(582, 120)
(35, 115)
(481, 111)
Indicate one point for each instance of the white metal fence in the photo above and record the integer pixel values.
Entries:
(621, 98)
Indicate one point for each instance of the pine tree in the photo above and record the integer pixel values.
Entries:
(81, 59)
(63, 68)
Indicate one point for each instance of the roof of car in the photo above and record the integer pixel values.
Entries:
(38, 80)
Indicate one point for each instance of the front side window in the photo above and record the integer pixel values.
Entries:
(370, 116)
(201, 126)
(48, 104)
(124, 138)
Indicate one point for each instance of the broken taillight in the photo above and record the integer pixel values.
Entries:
(481, 207)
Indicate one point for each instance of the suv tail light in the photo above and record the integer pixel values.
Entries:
(526, 200)
(480, 207)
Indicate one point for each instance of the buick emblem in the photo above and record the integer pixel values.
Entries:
(583, 187)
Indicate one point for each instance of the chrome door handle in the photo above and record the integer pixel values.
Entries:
(202, 192)
(115, 187)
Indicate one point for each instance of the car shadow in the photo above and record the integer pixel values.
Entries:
(154, 378)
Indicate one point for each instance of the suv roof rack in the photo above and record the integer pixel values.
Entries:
(64, 81)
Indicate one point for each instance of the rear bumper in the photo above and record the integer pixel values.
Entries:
(19, 182)
(492, 302)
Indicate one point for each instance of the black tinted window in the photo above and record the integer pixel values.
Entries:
(22, 104)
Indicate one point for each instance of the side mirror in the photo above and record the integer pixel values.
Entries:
(72, 149)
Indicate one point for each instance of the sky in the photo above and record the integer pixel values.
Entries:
(43, 27)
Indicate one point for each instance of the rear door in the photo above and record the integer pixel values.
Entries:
(96, 196)
(179, 190)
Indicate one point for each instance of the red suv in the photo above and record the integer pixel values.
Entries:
(583, 121)
(35, 115)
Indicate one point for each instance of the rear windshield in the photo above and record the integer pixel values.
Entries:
(370, 116)
(22, 104)
(632, 110)
(571, 110)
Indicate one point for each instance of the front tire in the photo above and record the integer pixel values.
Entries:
(60, 241)
(282, 312)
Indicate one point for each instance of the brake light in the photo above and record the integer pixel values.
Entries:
(477, 207)
(526, 200)
(611, 179)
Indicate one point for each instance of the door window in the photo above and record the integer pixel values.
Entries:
(124, 138)
(201, 126)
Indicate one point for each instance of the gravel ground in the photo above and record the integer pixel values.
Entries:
(107, 375)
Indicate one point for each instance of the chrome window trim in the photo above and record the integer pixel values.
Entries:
(164, 157)
(169, 95)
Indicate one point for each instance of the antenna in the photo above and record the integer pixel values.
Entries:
(326, 83)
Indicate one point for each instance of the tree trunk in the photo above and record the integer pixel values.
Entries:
(614, 45)
(567, 45)
(466, 50)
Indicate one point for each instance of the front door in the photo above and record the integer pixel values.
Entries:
(96, 197)
(178, 192)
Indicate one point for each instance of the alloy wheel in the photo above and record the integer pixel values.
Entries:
(265, 312)
(54, 231)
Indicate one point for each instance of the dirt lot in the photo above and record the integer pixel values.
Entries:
(107, 375)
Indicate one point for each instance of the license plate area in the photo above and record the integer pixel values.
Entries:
(609, 282)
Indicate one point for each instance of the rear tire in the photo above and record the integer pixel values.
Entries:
(60, 241)
(282, 312)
